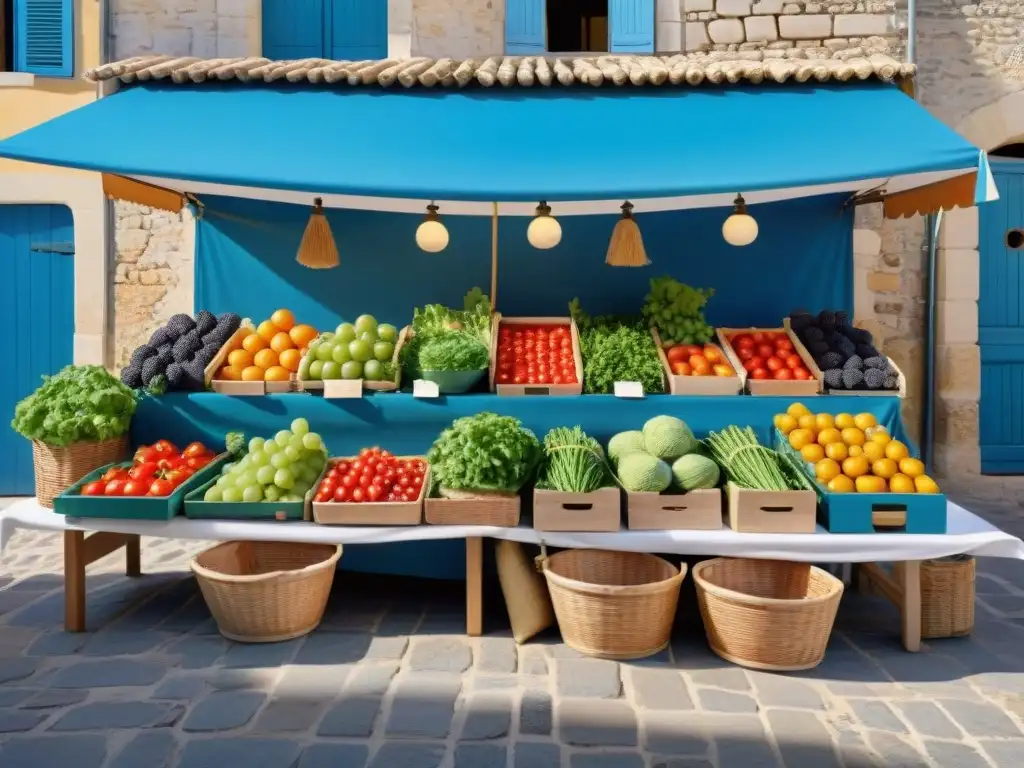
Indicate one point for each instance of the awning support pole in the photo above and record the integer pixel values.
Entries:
(494, 257)
(933, 223)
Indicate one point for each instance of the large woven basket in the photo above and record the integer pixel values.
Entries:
(613, 605)
(947, 596)
(57, 468)
(266, 591)
(767, 614)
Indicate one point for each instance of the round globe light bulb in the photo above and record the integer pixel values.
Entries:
(544, 232)
(432, 236)
(740, 229)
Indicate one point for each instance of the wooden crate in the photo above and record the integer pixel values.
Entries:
(499, 511)
(353, 388)
(598, 511)
(535, 389)
(694, 511)
(699, 385)
(242, 388)
(755, 511)
(790, 388)
(380, 513)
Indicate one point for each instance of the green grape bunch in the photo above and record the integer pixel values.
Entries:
(676, 310)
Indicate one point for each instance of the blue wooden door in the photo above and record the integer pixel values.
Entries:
(37, 298)
(1001, 323)
(525, 26)
(359, 29)
(631, 26)
(293, 29)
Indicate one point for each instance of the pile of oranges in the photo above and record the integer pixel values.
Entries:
(853, 453)
(271, 353)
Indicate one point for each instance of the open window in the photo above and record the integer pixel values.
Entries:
(535, 27)
(577, 26)
(6, 40)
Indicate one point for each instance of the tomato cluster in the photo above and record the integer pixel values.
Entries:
(769, 355)
(695, 360)
(535, 354)
(376, 475)
(156, 470)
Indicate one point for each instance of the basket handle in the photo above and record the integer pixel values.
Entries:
(540, 562)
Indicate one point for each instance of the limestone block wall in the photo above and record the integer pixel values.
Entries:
(206, 28)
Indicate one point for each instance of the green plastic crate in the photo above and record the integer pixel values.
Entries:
(197, 509)
(72, 503)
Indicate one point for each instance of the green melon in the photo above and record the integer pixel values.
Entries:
(693, 472)
(643, 473)
(625, 442)
(668, 438)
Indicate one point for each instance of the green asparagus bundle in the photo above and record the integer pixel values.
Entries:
(746, 462)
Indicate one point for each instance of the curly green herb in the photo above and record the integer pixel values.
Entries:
(485, 452)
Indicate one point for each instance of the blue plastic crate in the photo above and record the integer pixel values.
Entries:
(854, 512)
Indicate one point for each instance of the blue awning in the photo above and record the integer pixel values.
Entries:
(683, 148)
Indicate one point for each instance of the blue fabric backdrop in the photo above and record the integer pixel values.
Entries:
(246, 263)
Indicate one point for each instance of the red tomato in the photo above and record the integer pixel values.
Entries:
(742, 340)
(765, 350)
(774, 364)
(386, 454)
(784, 344)
(195, 449)
(681, 369)
(169, 462)
(373, 493)
(115, 473)
(801, 373)
(114, 488)
(135, 488)
(197, 462)
(342, 467)
(754, 362)
(342, 493)
(358, 495)
(145, 454)
(176, 476)
(759, 373)
(160, 487)
(143, 471)
(745, 353)
(321, 497)
(760, 337)
(95, 488)
(165, 447)
(793, 362)
(365, 480)
(783, 374)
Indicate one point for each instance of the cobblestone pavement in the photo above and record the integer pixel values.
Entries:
(389, 681)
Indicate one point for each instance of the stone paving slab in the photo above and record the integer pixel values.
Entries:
(389, 681)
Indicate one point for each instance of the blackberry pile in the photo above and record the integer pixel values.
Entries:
(176, 355)
(846, 355)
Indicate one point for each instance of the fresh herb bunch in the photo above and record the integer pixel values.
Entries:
(573, 462)
(80, 403)
(676, 310)
(436, 320)
(455, 351)
(617, 348)
(485, 452)
(748, 463)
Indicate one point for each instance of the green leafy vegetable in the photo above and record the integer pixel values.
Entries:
(157, 385)
(675, 309)
(79, 403)
(617, 349)
(436, 320)
(573, 462)
(485, 452)
(236, 444)
(748, 463)
(455, 351)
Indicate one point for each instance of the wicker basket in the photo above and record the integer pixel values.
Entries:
(613, 605)
(767, 614)
(266, 591)
(947, 596)
(57, 468)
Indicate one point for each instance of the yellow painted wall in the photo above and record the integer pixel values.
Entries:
(24, 107)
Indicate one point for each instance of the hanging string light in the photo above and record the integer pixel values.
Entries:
(432, 235)
(626, 248)
(544, 231)
(740, 228)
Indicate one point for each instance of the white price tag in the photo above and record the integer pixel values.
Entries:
(424, 388)
(630, 389)
(343, 389)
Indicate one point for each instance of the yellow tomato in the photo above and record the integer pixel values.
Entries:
(912, 467)
(797, 410)
(925, 484)
(882, 438)
(845, 421)
(812, 453)
(864, 420)
(824, 420)
(870, 484)
(829, 435)
(807, 421)
(884, 468)
(837, 451)
(785, 423)
(826, 469)
(798, 438)
(841, 484)
(855, 466)
(873, 451)
(853, 436)
(896, 450)
(900, 483)
(854, 450)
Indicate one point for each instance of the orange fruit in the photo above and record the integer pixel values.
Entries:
(855, 466)
(253, 343)
(854, 450)
(924, 484)
(227, 373)
(267, 330)
(840, 484)
(797, 410)
(265, 358)
(844, 421)
(912, 467)
(871, 484)
(826, 469)
(276, 373)
(865, 420)
(824, 420)
(290, 359)
(283, 319)
(896, 450)
(252, 373)
(798, 438)
(853, 436)
(807, 421)
(874, 451)
(240, 358)
(281, 342)
(785, 423)
(302, 335)
(812, 453)
(836, 451)
(900, 483)
(829, 435)
(885, 468)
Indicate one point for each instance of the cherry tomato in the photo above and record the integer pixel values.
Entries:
(783, 373)
(197, 462)
(176, 476)
(745, 353)
(135, 488)
(342, 493)
(114, 488)
(146, 454)
(358, 495)
(321, 497)
(95, 488)
(115, 473)
(760, 337)
(784, 345)
(742, 340)
(160, 487)
(373, 493)
(765, 351)
(195, 449)
(774, 364)
(165, 447)
(759, 373)
(143, 471)
(793, 362)
(801, 373)
(365, 481)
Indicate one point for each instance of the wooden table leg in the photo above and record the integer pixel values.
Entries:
(74, 581)
(133, 555)
(910, 609)
(474, 586)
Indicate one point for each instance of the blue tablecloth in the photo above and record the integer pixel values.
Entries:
(404, 424)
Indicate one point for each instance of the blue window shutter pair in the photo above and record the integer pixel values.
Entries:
(44, 33)
(325, 29)
(631, 23)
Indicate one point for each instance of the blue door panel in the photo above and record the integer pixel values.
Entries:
(525, 27)
(1001, 326)
(359, 29)
(293, 29)
(37, 296)
(631, 26)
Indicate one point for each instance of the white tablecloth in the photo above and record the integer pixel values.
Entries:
(967, 534)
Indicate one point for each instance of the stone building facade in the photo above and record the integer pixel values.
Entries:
(963, 51)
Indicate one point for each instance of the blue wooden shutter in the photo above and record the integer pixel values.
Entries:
(44, 32)
(524, 27)
(358, 29)
(631, 23)
(293, 29)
